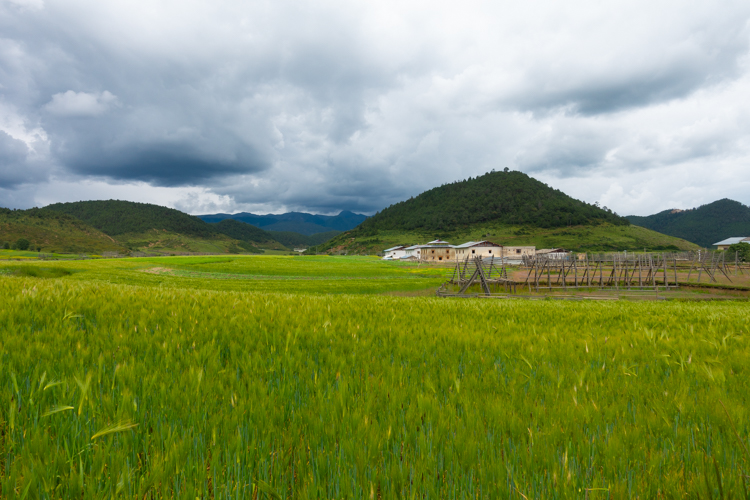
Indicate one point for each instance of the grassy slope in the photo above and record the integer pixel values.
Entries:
(293, 240)
(604, 237)
(163, 241)
(248, 233)
(54, 233)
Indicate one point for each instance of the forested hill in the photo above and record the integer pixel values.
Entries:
(504, 197)
(115, 217)
(704, 225)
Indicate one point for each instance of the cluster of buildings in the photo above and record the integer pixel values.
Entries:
(439, 250)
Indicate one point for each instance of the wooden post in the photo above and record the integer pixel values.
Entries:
(627, 281)
(549, 277)
(700, 268)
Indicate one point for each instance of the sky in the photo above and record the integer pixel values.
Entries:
(322, 106)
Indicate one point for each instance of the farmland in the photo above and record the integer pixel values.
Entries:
(291, 377)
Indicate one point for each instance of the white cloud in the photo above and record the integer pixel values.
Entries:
(72, 103)
(328, 104)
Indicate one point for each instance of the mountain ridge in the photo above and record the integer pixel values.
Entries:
(299, 222)
(703, 225)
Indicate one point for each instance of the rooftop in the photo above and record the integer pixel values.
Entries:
(733, 240)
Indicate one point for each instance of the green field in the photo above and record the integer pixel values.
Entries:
(296, 377)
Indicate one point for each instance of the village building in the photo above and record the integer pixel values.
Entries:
(438, 250)
(394, 253)
(478, 249)
(724, 244)
(518, 252)
(554, 253)
(443, 251)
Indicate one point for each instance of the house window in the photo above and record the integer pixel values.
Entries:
(490, 251)
(473, 251)
(518, 250)
(440, 258)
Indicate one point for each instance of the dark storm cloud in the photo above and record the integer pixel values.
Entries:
(12, 160)
(329, 105)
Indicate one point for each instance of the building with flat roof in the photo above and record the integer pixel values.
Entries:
(478, 249)
(724, 244)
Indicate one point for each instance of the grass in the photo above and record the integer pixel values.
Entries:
(289, 274)
(179, 386)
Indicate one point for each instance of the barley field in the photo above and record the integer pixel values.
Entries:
(213, 379)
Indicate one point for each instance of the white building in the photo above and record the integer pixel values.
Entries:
(724, 244)
(394, 253)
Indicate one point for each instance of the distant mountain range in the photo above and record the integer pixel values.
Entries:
(704, 225)
(297, 222)
(153, 228)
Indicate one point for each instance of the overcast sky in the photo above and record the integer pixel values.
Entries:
(321, 106)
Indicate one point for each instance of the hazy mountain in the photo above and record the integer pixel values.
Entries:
(297, 222)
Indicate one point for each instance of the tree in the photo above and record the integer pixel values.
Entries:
(742, 249)
(22, 244)
(6, 246)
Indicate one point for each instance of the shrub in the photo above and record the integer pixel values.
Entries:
(742, 249)
(22, 244)
(6, 246)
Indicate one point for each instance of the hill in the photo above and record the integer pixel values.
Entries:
(116, 217)
(501, 197)
(704, 225)
(297, 222)
(254, 237)
(152, 228)
(54, 232)
(509, 208)
(276, 240)
(297, 240)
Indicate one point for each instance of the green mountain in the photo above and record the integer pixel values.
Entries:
(53, 232)
(252, 237)
(509, 208)
(151, 228)
(270, 239)
(116, 217)
(504, 197)
(704, 225)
